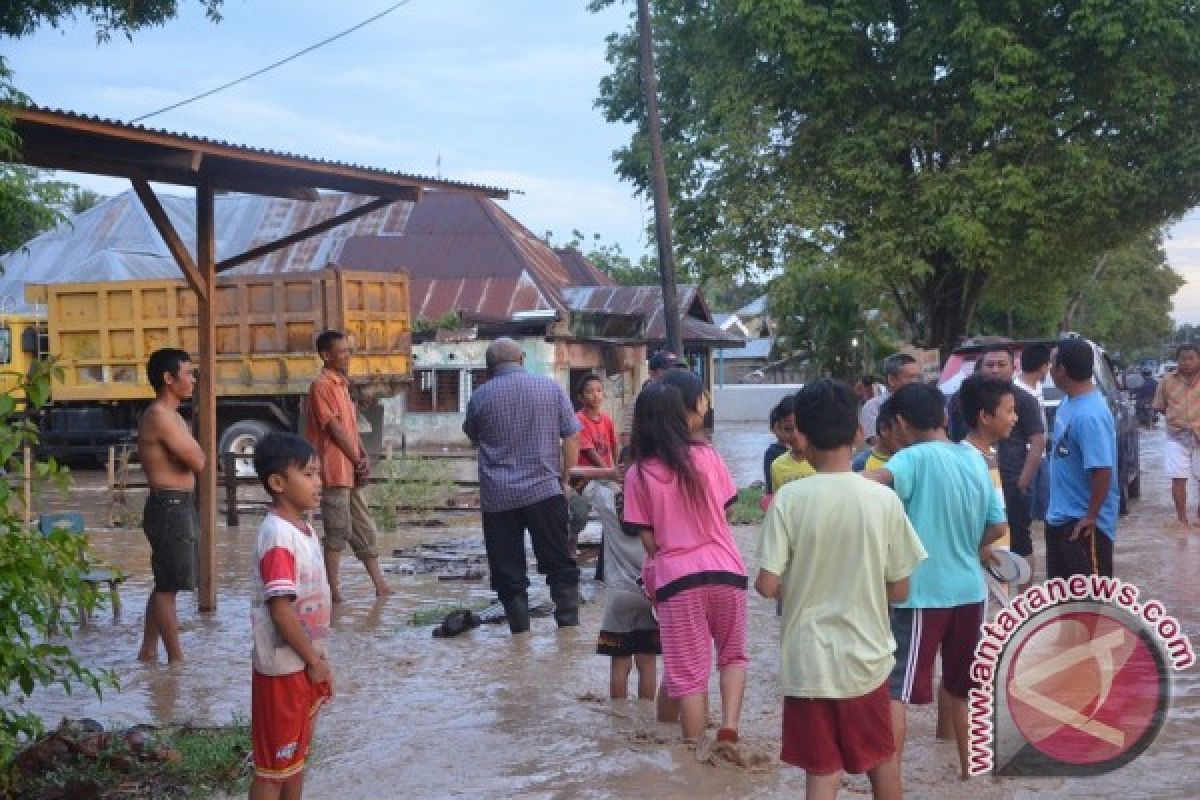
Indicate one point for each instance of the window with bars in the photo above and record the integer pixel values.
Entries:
(434, 391)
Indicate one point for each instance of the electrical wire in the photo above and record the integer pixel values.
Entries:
(274, 65)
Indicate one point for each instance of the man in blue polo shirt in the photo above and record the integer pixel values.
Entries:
(1081, 523)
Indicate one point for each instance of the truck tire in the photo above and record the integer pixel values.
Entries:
(241, 437)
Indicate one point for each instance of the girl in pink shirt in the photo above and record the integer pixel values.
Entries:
(677, 491)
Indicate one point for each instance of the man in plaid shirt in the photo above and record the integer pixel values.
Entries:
(527, 435)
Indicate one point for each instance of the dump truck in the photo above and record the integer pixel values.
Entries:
(266, 326)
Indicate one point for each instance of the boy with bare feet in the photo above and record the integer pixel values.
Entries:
(956, 511)
(170, 457)
(291, 609)
(836, 643)
(333, 431)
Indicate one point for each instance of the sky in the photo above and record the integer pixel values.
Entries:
(485, 91)
(501, 92)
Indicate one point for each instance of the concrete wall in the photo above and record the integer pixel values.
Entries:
(749, 402)
(552, 359)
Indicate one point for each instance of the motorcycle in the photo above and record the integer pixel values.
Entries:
(1147, 416)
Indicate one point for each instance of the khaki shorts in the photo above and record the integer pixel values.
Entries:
(346, 520)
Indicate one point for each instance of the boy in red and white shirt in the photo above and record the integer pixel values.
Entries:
(291, 606)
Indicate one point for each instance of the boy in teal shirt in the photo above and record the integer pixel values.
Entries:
(951, 502)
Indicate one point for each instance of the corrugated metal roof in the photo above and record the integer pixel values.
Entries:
(116, 240)
(63, 118)
(753, 349)
(465, 253)
(647, 300)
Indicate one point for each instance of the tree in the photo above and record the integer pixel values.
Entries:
(1124, 302)
(928, 145)
(825, 315)
(30, 203)
(109, 16)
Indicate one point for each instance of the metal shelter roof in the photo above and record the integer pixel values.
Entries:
(57, 139)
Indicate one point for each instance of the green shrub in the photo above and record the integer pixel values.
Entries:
(43, 596)
(410, 483)
(747, 511)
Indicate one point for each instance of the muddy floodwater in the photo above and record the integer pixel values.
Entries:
(486, 715)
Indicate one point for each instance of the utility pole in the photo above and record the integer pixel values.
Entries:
(658, 179)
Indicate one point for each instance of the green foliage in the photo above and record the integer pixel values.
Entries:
(747, 509)
(451, 320)
(1125, 301)
(410, 483)
(927, 146)
(108, 16)
(43, 596)
(214, 759)
(30, 203)
(830, 316)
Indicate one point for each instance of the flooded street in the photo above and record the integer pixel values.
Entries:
(484, 715)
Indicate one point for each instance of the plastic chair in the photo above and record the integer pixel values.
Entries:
(72, 522)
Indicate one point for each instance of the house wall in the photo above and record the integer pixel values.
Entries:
(556, 359)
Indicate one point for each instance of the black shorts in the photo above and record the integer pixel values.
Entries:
(645, 642)
(1064, 558)
(173, 529)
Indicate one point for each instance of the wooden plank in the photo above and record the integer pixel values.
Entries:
(166, 230)
(206, 397)
(301, 235)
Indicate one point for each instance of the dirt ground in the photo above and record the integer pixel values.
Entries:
(487, 715)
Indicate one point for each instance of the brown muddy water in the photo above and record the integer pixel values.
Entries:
(484, 715)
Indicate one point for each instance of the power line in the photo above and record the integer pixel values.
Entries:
(272, 66)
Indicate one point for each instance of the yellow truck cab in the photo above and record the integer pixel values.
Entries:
(22, 343)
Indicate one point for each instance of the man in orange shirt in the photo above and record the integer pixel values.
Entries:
(332, 427)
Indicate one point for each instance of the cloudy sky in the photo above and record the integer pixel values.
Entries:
(499, 92)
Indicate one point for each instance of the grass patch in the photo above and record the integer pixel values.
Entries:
(180, 763)
(747, 511)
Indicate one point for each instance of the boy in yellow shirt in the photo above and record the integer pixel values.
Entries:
(792, 465)
(836, 706)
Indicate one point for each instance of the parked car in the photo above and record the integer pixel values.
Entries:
(961, 363)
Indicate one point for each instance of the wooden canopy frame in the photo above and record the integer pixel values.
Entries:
(62, 140)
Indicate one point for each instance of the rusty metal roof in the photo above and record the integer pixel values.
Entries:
(465, 253)
(647, 300)
(59, 139)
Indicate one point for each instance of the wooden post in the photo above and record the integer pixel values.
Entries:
(231, 487)
(205, 401)
(112, 467)
(28, 488)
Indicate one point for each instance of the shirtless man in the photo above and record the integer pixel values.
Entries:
(170, 457)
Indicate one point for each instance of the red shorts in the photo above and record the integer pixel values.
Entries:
(852, 734)
(920, 634)
(283, 711)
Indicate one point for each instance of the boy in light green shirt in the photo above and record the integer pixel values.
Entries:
(836, 642)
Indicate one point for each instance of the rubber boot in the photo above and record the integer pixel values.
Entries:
(566, 604)
(516, 609)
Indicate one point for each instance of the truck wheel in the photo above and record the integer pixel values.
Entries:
(241, 438)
